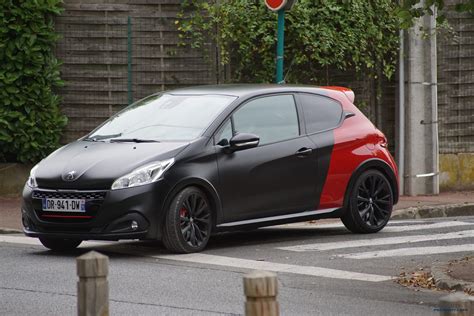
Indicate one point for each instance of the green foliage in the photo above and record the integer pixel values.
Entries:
(409, 10)
(347, 34)
(467, 6)
(30, 119)
(356, 34)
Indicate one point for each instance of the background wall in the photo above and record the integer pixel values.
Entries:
(456, 101)
(97, 46)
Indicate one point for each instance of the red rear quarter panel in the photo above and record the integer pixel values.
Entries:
(355, 141)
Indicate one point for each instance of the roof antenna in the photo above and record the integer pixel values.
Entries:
(288, 72)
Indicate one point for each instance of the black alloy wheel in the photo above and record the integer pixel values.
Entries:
(188, 224)
(58, 244)
(370, 205)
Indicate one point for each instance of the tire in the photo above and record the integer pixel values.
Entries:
(370, 203)
(188, 222)
(58, 244)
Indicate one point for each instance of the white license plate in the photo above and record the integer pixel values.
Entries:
(64, 205)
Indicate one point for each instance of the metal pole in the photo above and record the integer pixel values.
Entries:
(129, 61)
(401, 115)
(280, 47)
(434, 100)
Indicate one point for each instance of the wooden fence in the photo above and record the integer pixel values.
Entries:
(106, 61)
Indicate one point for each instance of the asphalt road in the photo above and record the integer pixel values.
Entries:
(322, 270)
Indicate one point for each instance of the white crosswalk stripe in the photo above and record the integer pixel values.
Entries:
(378, 241)
(415, 251)
(406, 228)
(275, 267)
(426, 233)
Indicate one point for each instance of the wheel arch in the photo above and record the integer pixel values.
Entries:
(376, 164)
(208, 189)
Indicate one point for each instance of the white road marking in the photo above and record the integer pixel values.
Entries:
(403, 252)
(378, 241)
(397, 229)
(275, 267)
(406, 221)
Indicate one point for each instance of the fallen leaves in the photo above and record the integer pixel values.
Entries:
(418, 279)
(469, 291)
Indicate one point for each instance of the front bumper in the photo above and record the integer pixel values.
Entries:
(132, 213)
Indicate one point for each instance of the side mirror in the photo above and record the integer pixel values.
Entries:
(243, 141)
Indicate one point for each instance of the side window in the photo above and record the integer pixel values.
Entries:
(224, 135)
(272, 118)
(320, 113)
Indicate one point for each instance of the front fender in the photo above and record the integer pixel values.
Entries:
(204, 185)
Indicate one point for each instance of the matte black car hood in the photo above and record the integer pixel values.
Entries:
(97, 164)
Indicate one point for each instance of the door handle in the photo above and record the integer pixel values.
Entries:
(303, 152)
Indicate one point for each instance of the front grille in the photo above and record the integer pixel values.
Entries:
(88, 195)
(94, 200)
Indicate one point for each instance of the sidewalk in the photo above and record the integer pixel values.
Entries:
(445, 204)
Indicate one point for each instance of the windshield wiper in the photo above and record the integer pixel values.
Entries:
(97, 138)
(132, 140)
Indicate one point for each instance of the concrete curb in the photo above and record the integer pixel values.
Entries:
(445, 282)
(449, 210)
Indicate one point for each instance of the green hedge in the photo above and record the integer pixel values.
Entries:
(30, 120)
(356, 34)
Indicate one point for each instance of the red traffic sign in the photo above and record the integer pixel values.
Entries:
(275, 5)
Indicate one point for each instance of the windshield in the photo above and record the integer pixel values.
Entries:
(163, 117)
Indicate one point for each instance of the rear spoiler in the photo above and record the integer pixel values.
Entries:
(348, 92)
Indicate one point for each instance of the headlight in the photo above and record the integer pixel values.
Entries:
(144, 175)
(32, 179)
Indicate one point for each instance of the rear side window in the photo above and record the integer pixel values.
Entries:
(320, 113)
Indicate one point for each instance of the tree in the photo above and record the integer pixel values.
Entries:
(346, 34)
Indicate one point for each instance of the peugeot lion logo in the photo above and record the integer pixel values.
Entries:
(70, 176)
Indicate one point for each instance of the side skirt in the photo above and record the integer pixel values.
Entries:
(281, 219)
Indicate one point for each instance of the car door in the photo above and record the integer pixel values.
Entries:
(278, 176)
(321, 116)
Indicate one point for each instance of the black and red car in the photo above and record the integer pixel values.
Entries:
(180, 165)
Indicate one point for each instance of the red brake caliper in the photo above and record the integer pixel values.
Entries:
(183, 212)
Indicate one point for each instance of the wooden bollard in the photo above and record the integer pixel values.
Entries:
(92, 287)
(456, 304)
(261, 289)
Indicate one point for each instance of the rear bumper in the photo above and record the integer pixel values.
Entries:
(133, 213)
